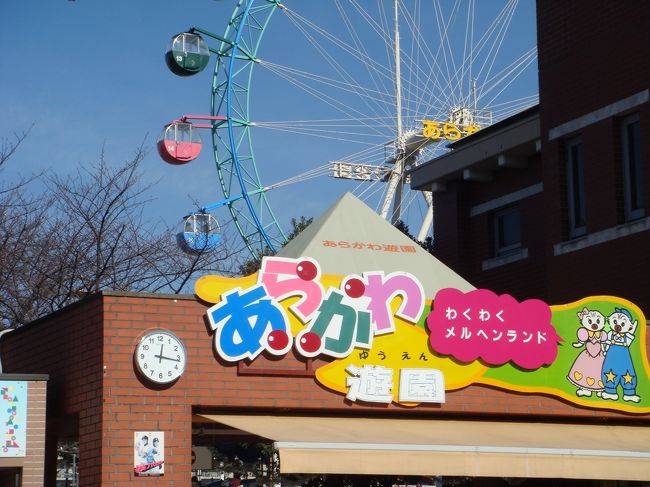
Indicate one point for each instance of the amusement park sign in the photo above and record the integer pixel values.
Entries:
(387, 343)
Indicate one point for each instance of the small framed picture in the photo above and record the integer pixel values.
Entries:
(149, 453)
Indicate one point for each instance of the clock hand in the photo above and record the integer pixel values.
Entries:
(160, 357)
(169, 358)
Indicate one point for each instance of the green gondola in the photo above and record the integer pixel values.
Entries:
(188, 54)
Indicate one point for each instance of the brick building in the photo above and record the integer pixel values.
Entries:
(559, 210)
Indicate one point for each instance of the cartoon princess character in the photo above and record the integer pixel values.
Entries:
(586, 370)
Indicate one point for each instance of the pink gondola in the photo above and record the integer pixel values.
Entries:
(180, 143)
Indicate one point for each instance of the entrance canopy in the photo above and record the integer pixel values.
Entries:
(385, 446)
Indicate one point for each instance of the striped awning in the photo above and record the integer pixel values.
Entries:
(387, 446)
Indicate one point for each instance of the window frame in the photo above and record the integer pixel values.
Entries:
(632, 210)
(575, 186)
(500, 248)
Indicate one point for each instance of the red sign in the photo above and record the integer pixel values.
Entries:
(496, 329)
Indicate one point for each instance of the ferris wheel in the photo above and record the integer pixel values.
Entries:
(361, 91)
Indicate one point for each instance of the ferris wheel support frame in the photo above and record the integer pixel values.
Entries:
(231, 47)
(244, 193)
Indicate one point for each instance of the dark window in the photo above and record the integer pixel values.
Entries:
(634, 203)
(575, 188)
(507, 230)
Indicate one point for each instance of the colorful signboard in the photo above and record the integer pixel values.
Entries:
(13, 414)
(149, 453)
(389, 344)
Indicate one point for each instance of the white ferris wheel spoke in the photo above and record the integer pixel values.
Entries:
(440, 71)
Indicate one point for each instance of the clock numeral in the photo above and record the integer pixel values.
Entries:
(160, 338)
(145, 347)
(151, 340)
(160, 376)
(169, 373)
(151, 371)
(176, 366)
(142, 355)
(144, 366)
(176, 348)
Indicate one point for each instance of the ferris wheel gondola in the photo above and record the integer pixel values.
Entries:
(188, 54)
(180, 141)
(200, 234)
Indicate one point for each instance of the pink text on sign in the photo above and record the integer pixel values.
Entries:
(494, 328)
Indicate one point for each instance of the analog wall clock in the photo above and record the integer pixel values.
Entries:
(160, 356)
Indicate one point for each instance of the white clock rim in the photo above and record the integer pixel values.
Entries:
(142, 372)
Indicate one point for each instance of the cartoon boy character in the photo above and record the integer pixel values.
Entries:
(586, 370)
(617, 366)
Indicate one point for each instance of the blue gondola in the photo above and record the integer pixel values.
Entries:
(200, 234)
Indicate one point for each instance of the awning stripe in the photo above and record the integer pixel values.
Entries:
(461, 448)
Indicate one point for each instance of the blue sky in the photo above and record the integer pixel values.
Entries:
(90, 74)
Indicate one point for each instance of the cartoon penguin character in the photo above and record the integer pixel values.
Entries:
(618, 368)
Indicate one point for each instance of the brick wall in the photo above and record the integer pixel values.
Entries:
(33, 467)
(590, 56)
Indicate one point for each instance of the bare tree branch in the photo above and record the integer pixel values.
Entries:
(8, 148)
(87, 233)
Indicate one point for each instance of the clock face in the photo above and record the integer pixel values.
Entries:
(160, 356)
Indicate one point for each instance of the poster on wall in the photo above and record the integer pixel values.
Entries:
(386, 342)
(149, 453)
(13, 413)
